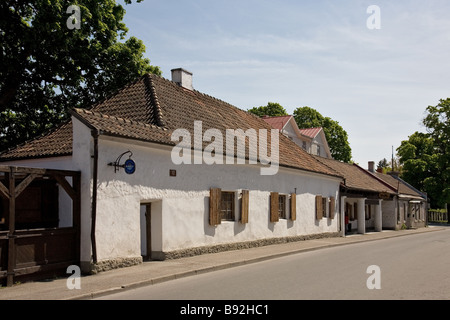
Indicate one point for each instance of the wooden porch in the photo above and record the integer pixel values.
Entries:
(33, 245)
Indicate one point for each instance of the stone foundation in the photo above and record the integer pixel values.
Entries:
(110, 264)
(241, 245)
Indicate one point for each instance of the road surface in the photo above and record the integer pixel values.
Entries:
(409, 267)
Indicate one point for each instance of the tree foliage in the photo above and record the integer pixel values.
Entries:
(383, 164)
(336, 136)
(426, 156)
(306, 117)
(272, 109)
(47, 68)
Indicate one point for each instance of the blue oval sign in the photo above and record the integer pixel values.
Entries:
(130, 166)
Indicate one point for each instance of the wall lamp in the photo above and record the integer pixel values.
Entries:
(129, 165)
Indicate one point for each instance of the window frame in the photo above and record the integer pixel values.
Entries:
(282, 206)
(230, 214)
(324, 207)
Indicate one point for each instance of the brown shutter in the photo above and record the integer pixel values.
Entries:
(244, 206)
(293, 207)
(274, 207)
(214, 207)
(332, 207)
(319, 208)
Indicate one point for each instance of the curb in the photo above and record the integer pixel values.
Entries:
(224, 266)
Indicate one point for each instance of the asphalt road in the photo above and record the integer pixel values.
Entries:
(412, 267)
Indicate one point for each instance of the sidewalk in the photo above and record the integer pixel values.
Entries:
(153, 272)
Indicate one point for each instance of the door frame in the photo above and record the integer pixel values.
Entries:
(148, 231)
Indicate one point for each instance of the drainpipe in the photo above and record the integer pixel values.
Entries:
(95, 135)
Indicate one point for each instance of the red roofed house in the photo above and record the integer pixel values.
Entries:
(408, 209)
(156, 182)
(312, 140)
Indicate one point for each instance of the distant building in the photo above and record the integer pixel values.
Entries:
(312, 140)
(409, 207)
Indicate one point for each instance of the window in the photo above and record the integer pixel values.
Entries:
(304, 145)
(221, 206)
(282, 207)
(324, 207)
(318, 150)
(227, 206)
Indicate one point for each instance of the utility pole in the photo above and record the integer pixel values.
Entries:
(393, 169)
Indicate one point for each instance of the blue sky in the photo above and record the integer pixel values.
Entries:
(376, 83)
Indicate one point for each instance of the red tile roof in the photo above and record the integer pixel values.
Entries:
(356, 178)
(277, 122)
(397, 184)
(310, 132)
(150, 109)
(55, 143)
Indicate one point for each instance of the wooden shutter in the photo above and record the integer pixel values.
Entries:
(244, 206)
(214, 206)
(319, 208)
(332, 207)
(274, 207)
(293, 206)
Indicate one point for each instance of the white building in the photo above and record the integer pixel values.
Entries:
(162, 209)
(408, 209)
(312, 140)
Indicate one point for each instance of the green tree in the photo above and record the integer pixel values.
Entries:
(272, 109)
(418, 159)
(336, 136)
(383, 164)
(426, 156)
(437, 122)
(48, 66)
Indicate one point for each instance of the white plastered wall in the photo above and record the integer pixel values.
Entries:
(181, 219)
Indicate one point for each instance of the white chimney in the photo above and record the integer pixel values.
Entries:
(183, 78)
(371, 166)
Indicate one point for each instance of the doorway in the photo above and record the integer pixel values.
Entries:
(146, 229)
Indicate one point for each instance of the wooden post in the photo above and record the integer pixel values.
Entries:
(447, 205)
(76, 212)
(12, 229)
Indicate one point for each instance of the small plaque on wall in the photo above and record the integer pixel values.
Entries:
(173, 173)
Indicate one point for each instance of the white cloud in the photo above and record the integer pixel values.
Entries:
(376, 83)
